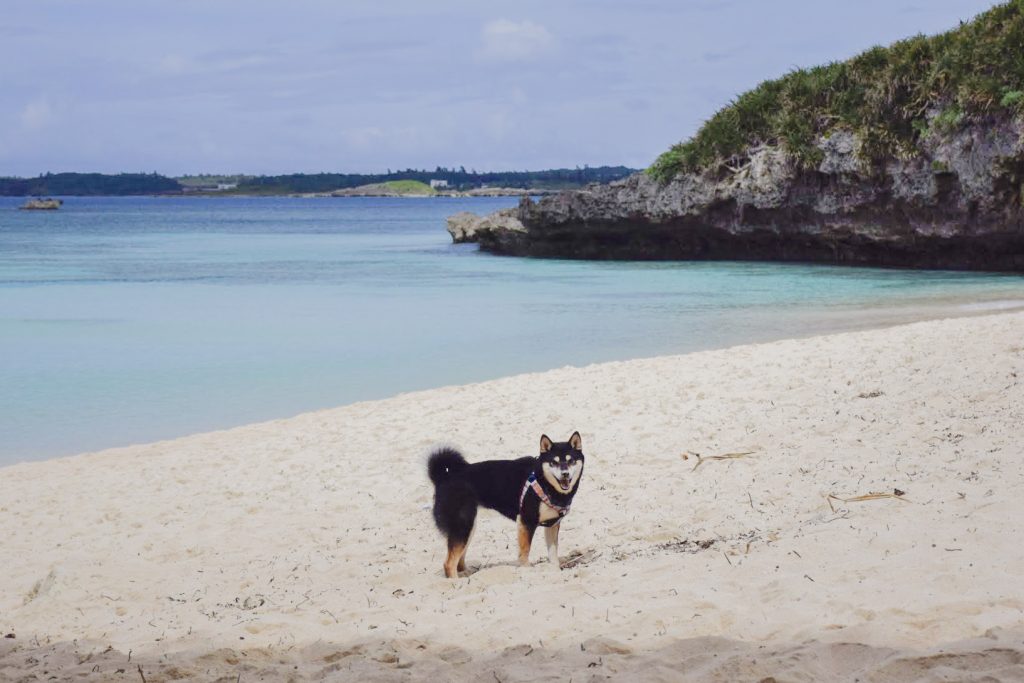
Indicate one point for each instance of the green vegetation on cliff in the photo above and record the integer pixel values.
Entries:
(888, 96)
(410, 187)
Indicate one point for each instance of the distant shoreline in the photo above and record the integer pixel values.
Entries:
(511, 192)
(293, 195)
(455, 182)
(357, 192)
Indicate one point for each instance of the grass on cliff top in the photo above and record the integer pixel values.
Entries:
(409, 187)
(884, 95)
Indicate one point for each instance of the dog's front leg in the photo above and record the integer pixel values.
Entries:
(525, 540)
(551, 538)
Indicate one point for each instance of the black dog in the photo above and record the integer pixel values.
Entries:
(533, 491)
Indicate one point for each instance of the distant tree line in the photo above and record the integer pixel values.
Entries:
(89, 184)
(460, 178)
(82, 184)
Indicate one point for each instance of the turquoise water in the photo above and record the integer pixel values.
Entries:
(125, 320)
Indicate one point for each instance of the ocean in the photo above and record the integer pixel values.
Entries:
(126, 320)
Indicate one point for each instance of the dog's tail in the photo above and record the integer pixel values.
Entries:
(444, 462)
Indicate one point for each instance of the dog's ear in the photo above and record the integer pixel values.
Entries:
(576, 442)
(545, 443)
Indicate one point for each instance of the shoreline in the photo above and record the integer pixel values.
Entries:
(317, 528)
(859, 319)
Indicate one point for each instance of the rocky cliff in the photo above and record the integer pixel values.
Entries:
(957, 204)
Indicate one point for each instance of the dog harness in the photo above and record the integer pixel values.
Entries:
(531, 482)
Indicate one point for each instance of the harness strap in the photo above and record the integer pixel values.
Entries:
(531, 482)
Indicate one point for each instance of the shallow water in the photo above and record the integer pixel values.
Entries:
(125, 320)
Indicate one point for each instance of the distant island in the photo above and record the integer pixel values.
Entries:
(410, 182)
(910, 155)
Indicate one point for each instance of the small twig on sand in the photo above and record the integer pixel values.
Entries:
(141, 675)
(897, 495)
(701, 459)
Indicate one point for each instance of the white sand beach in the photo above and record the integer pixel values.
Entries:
(305, 549)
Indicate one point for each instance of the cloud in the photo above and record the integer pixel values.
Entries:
(174, 64)
(210, 62)
(509, 41)
(36, 114)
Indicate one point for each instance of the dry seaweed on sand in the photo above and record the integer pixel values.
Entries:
(577, 558)
(896, 494)
(701, 459)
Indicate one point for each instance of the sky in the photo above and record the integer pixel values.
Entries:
(266, 87)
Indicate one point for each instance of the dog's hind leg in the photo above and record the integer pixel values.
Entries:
(525, 541)
(456, 550)
(551, 539)
(455, 514)
(460, 530)
(462, 560)
(457, 543)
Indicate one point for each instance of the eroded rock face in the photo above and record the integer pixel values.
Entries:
(462, 226)
(956, 203)
(466, 226)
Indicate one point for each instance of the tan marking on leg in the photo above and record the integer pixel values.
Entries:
(451, 564)
(525, 539)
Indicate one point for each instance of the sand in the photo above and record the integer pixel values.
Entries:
(305, 547)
